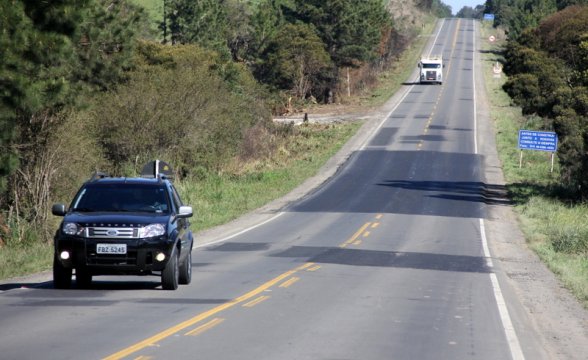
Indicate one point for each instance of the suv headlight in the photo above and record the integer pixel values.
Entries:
(152, 230)
(72, 229)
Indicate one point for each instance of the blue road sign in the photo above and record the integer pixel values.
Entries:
(537, 140)
(489, 17)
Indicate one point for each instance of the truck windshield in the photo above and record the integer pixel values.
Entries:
(122, 198)
(431, 66)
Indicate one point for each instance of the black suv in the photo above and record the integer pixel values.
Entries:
(124, 226)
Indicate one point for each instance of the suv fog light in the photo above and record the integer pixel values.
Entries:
(64, 255)
(160, 257)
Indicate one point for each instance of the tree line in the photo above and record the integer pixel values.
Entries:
(294, 45)
(546, 58)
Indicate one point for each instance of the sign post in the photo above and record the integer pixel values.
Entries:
(537, 140)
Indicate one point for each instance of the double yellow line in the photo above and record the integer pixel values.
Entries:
(203, 316)
(246, 299)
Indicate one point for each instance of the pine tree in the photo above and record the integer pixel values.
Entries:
(202, 22)
(36, 50)
(351, 30)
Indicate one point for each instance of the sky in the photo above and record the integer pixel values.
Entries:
(456, 5)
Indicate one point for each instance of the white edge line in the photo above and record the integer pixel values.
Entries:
(475, 105)
(435, 41)
(514, 345)
(240, 232)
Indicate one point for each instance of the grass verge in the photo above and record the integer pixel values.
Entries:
(556, 230)
(22, 260)
(219, 198)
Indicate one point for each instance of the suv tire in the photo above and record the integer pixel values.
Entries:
(61, 275)
(186, 269)
(171, 273)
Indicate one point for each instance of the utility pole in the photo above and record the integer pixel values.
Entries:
(348, 83)
(164, 23)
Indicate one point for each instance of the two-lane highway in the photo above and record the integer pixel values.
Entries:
(387, 260)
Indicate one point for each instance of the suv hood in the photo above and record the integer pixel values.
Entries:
(111, 219)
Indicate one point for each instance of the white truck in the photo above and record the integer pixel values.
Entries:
(431, 69)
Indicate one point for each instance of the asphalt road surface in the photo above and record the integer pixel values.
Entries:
(386, 260)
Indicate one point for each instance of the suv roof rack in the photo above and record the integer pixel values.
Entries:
(99, 175)
(157, 169)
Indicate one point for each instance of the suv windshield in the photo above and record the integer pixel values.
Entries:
(122, 198)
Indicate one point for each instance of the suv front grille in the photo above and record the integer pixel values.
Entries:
(112, 233)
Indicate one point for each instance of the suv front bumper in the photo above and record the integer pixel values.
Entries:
(140, 258)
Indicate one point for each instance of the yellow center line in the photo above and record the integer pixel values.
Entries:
(289, 282)
(355, 236)
(375, 225)
(252, 303)
(202, 328)
(366, 234)
(379, 216)
(203, 316)
(314, 268)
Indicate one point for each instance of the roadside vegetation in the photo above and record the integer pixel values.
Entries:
(551, 206)
(104, 93)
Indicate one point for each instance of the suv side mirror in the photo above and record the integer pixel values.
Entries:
(185, 212)
(58, 210)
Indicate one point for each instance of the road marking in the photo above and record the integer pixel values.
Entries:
(375, 225)
(205, 315)
(355, 236)
(143, 357)
(379, 216)
(289, 282)
(314, 268)
(257, 301)
(240, 232)
(205, 327)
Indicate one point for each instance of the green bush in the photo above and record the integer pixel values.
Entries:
(170, 109)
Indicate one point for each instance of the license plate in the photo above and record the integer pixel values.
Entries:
(111, 248)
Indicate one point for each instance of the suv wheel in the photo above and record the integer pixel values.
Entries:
(61, 275)
(83, 278)
(171, 273)
(186, 269)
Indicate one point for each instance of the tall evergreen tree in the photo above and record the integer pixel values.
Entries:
(351, 30)
(202, 22)
(105, 41)
(53, 52)
(36, 50)
(297, 60)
